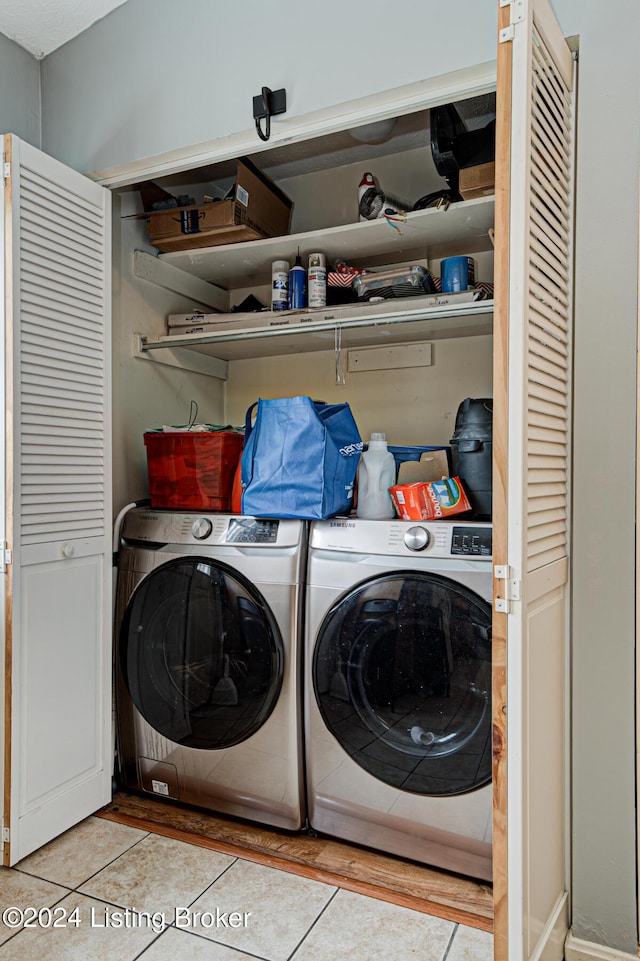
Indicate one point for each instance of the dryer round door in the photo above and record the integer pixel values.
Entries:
(402, 677)
(201, 654)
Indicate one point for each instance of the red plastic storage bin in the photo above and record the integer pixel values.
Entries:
(192, 471)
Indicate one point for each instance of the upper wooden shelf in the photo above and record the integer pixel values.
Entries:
(428, 234)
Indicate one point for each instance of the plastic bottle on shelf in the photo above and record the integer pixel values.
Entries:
(376, 474)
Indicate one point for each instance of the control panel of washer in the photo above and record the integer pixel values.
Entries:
(251, 530)
(207, 530)
(471, 541)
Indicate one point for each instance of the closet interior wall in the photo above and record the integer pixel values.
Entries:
(146, 394)
(415, 405)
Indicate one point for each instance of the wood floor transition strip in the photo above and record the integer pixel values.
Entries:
(342, 865)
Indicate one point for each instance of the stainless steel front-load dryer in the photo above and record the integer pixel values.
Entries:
(208, 660)
(397, 688)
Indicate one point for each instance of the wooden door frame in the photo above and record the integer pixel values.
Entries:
(500, 467)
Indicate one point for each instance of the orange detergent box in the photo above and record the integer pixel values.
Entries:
(429, 500)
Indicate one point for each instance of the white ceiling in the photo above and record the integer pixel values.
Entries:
(41, 26)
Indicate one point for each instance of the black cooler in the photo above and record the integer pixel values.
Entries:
(472, 452)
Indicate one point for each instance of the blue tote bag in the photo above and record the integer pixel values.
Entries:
(300, 459)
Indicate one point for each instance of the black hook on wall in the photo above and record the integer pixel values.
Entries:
(265, 106)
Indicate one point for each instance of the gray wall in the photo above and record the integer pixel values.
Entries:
(164, 74)
(155, 76)
(19, 92)
(606, 301)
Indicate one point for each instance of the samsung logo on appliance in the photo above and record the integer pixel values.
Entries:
(342, 524)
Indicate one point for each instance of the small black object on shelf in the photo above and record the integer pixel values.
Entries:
(266, 105)
(453, 147)
(248, 305)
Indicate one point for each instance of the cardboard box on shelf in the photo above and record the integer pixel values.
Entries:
(478, 181)
(257, 209)
(433, 465)
(430, 500)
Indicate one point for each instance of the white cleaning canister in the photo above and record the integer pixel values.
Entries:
(317, 285)
(376, 474)
(280, 285)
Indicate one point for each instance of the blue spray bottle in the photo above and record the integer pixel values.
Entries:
(297, 285)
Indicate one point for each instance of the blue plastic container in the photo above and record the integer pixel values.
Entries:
(457, 273)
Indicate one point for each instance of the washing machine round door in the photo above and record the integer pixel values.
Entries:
(201, 654)
(402, 677)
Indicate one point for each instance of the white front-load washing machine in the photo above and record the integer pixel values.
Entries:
(208, 661)
(398, 688)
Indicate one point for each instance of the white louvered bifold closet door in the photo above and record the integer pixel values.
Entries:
(58, 508)
(548, 361)
(532, 389)
(62, 377)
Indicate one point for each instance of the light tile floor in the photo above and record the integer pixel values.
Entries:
(107, 892)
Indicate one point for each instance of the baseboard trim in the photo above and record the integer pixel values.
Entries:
(550, 946)
(577, 950)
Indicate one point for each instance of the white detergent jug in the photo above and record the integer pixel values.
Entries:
(376, 474)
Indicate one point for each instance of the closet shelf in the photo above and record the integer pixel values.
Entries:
(428, 234)
(390, 322)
